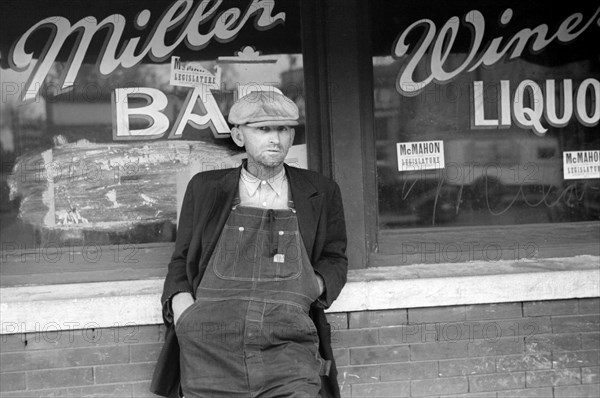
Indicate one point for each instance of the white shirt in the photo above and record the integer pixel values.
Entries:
(271, 193)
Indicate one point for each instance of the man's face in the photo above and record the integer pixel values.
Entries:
(266, 145)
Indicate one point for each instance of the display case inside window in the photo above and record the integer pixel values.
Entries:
(99, 150)
(486, 114)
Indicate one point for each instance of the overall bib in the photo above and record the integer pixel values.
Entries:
(248, 334)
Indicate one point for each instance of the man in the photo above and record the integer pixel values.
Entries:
(260, 253)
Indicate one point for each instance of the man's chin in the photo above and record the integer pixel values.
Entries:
(272, 162)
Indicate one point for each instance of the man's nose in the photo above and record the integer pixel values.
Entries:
(274, 136)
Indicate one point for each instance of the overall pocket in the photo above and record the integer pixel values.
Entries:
(282, 257)
(249, 254)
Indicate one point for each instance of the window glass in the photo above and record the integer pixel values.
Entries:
(107, 159)
(486, 114)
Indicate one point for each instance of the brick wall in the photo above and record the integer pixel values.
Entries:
(111, 362)
(531, 349)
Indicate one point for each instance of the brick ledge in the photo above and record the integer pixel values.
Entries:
(108, 304)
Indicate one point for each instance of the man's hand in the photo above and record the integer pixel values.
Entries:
(179, 303)
(321, 284)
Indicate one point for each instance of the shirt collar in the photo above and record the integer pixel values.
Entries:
(252, 183)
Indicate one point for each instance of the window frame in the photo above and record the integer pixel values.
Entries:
(349, 79)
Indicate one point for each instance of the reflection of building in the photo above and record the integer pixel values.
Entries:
(292, 85)
(25, 132)
(92, 168)
(508, 171)
(28, 131)
(86, 112)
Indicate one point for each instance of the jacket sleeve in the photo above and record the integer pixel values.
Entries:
(332, 264)
(176, 280)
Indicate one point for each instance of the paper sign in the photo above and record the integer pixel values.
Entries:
(420, 155)
(581, 164)
(193, 74)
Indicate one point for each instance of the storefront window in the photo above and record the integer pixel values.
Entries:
(100, 152)
(486, 129)
(485, 114)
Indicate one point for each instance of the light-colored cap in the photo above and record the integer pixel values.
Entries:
(264, 108)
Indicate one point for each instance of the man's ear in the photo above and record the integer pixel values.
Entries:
(237, 136)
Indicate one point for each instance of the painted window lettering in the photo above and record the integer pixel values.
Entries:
(528, 104)
(128, 52)
(407, 86)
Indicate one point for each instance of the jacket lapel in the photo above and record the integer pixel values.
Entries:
(223, 195)
(308, 203)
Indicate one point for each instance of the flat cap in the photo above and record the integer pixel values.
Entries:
(264, 108)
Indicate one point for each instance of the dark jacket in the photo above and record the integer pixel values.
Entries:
(206, 206)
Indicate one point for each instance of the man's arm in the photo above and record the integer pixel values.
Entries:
(176, 280)
(332, 264)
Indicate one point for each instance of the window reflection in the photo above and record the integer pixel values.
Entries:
(66, 180)
(491, 176)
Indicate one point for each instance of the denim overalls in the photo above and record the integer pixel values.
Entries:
(249, 334)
